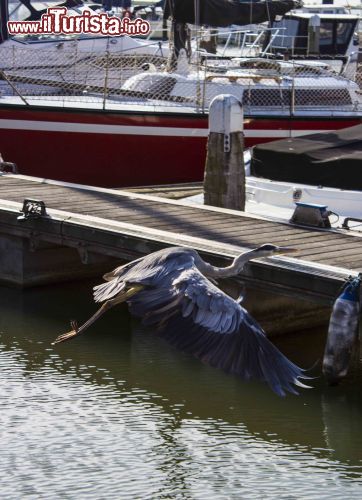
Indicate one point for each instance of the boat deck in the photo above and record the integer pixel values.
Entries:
(126, 225)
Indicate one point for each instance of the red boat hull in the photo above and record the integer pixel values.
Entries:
(116, 149)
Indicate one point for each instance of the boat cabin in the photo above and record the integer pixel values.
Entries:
(304, 34)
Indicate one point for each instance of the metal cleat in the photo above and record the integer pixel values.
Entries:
(32, 209)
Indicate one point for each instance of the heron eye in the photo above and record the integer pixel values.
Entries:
(268, 247)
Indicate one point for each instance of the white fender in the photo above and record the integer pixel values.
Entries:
(342, 333)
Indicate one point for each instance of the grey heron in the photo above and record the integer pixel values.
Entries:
(173, 290)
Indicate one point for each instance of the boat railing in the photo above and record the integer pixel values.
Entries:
(249, 42)
(241, 42)
(107, 79)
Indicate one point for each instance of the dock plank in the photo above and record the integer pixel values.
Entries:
(222, 227)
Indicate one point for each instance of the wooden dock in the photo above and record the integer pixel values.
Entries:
(126, 225)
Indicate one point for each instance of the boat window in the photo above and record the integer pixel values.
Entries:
(335, 36)
(266, 97)
(292, 34)
(344, 32)
(326, 33)
(322, 97)
(303, 97)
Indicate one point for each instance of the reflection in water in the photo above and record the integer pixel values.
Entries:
(120, 414)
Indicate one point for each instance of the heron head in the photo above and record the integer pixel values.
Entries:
(269, 249)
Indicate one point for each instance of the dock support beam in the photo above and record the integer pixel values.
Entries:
(224, 181)
(23, 264)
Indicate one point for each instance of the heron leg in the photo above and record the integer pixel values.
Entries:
(122, 297)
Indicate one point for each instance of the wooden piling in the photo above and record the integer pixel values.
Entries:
(224, 180)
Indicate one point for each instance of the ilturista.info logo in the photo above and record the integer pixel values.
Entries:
(56, 21)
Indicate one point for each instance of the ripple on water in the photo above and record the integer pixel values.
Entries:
(96, 419)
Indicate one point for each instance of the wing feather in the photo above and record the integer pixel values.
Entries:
(210, 307)
(195, 316)
(108, 290)
(119, 271)
(217, 330)
(153, 270)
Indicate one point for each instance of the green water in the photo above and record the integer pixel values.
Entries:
(119, 414)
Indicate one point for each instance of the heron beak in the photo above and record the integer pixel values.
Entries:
(283, 250)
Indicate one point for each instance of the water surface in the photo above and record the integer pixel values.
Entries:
(118, 413)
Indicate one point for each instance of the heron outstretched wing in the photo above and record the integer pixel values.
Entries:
(120, 270)
(170, 290)
(151, 270)
(197, 317)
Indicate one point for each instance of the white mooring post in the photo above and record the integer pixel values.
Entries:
(224, 181)
(314, 34)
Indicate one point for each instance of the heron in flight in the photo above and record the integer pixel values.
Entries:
(174, 291)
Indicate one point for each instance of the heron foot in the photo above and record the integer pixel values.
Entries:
(65, 336)
(122, 297)
(74, 324)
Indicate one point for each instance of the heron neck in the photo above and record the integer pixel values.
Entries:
(227, 272)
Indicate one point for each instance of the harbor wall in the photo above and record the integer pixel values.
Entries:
(25, 264)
